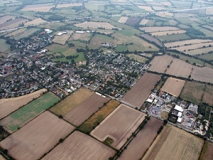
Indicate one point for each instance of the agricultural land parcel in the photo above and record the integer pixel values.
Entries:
(200, 51)
(99, 116)
(16, 32)
(84, 110)
(35, 22)
(13, 23)
(124, 116)
(2, 158)
(207, 98)
(69, 5)
(142, 141)
(203, 74)
(123, 20)
(82, 146)
(81, 36)
(173, 86)
(137, 58)
(174, 143)
(26, 33)
(71, 101)
(38, 7)
(207, 153)
(6, 18)
(93, 25)
(37, 137)
(62, 38)
(23, 115)
(4, 46)
(141, 90)
(193, 92)
(11, 104)
(158, 29)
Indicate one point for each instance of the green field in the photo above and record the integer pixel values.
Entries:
(28, 112)
(173, 37)
(4, 47)
(26, 33)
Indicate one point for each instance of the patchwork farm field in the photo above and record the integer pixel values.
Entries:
(38, 7)
(20, 117)
(99, 116)
(71, 101)
(93, 25)
(81, 36)
(62, 39)
(137, 58)
(12, 24)
(179, 68)
(84, 110)
(207, 152)
(37, 137)
(16, 32)
(110, 127)
(26, 33)
(207, 98)
(138, 146)
(9, 105)
(175, 144)
(200, 51)
(158, 29)
(141, 90)
(159, 63)
(173, 86)
(203, 74)
(83, 147)
(173, 37)
(193, 91)
(69, 5)
(163, 33)
(123, 20)
(35, 22)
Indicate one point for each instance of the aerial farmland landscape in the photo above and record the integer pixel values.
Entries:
(106, 80)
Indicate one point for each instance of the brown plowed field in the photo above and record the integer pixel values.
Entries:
(204, 74)
(119, 125)
(173, 86)
(179, 68)
(79, 146)
(207, 98)
(141, 90)
(207, 153)
(160, 63)
(83, 111)
(175, 144)
(142, 141)
(9, 105)
(13, 23)
(37, 137)
(71, 101)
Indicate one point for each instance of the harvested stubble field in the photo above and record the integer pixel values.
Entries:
(179, 68)
(193, 91)
(35, 22)
(84, 110)
(159, 63)
(83, 147)
(119, 125)
(203, 74)
(38, 7)
(174, 143)
(141, 90)
(207, 153)
(144, 21)
(99, 116)
(207, 98)
(37, 137)
(123, 20)
(173, 86)
(9, 105)
(200, 51)
(142, 141)
(23, 115)
(186, 42)
(167, 33)
(26, 33)
(71, 101)
(137, 58)
(62, 39)
(146, 8)
(69, 5)
(81, 36)
(6, 18)
(158, 29)
(13, 23)
(86, 25)
(16, 33)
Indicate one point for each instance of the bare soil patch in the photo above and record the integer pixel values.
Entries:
(179, 68)
(84, 110)
(141, 90)
(203, 74)
(173, 86)
(37, 137)
(71, 101)
(83, 147)
(142, 141)
(175, 144)
(159, 63)
(9, 105)
(124, 116)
